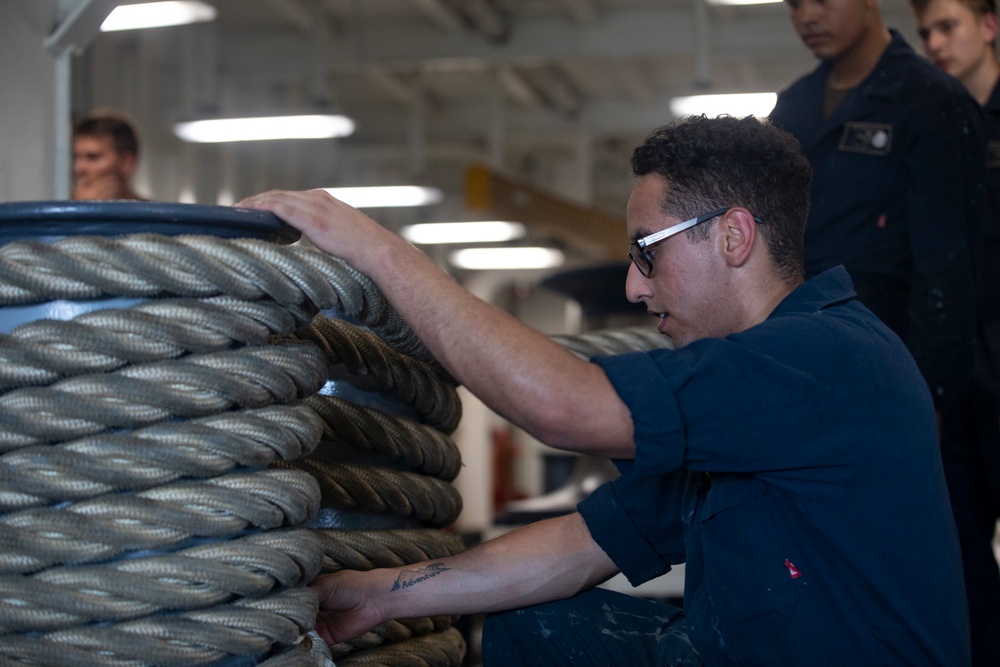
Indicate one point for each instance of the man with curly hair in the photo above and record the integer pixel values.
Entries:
(785, 450)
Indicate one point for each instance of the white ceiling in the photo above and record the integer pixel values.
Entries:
(555, 91)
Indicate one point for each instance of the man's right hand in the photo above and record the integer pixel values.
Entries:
(345, 611)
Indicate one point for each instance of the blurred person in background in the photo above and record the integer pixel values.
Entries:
(105, 155)
(959, 37)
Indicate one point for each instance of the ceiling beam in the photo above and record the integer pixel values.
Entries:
(399, 90)
(518, 88)
(80, 21)
(559, 90)
(486, 19)
(635, 33)
(294, 13)
(440, 13)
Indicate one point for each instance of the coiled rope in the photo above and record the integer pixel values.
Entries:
(153, 265)
(129, 434)
(214, 382)
(195, 386)
(205, 575)
(154, 455)
(614, 341)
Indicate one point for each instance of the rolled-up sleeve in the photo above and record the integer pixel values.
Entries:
(656, 417)
(637, 522)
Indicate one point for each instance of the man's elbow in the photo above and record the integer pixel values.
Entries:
(586, 437)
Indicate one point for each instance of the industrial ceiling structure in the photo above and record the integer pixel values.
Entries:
(553, 92)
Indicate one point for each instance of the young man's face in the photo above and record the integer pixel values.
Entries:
(686, 288)
(955, 38)
(830, 28)
(101, 171)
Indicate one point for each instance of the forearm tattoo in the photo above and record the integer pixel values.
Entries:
(409, 578)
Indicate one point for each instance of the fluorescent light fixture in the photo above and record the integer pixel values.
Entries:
(381, 196)
(485, 231)
(157, 15)
(264, 128)
(745, 104)
(742, 2)
(506, 258)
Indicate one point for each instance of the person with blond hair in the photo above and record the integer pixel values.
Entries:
(959, 37)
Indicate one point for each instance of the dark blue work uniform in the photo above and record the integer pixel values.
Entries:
(970, 432)
(794, 467)
(898, 194)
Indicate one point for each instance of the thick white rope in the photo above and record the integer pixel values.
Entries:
(144, 458)
(153, 265)
(167, 371)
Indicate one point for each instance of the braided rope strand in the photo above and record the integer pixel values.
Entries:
(158, 454)
(369, 549)
(87, 267)
(393, 631)
(248, 626)
(191, 578)
(111, 525)
(422, 448)
(363, 353)
(41, 352)
(445, 648)
(614, 341)
(351, 487)
(136, 396)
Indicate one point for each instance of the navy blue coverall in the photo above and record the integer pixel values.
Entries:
(898, 198)
(970, 432)
(794, 468)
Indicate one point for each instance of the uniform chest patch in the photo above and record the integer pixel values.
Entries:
(993, 159)
(867, 138)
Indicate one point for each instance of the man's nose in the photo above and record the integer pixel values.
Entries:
(636, 284)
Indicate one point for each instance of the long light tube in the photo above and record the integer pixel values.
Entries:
(737, 104)
(265, 128)
(484, 231)
(157, 15)
(387, 196)
(506, 258)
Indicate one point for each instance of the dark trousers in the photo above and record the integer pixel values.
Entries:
(597, 627)
(970, 452)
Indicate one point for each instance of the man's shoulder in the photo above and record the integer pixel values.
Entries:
(805, 84)
(801, 94)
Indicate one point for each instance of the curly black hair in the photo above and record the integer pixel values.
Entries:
(713, 163)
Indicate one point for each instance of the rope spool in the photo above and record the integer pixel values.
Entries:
(154, 490)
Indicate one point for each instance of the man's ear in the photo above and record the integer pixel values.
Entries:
(990, 27)
(739, 234)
